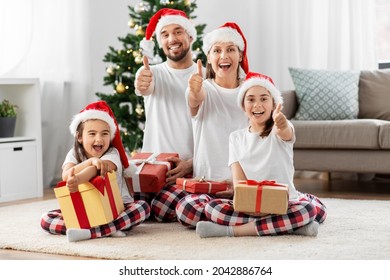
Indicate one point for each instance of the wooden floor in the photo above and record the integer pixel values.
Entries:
(321, 186)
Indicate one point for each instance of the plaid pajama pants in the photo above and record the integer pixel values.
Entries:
(200, 207)
(163, 204)
(300, 213)
(134, 214)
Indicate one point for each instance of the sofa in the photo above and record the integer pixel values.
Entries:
(358, 142)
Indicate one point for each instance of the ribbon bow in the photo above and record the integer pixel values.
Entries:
(261, 183)
(152, 159)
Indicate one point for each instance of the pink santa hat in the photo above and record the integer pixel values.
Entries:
(101, 111)
(228, 32)
(256, 79)
(164, 17)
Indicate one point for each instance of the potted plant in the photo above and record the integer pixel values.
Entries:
(8, 113)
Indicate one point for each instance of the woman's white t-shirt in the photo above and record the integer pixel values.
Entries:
(217, 117)
(267, 158)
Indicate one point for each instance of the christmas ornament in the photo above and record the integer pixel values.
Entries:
(130, 106)
(142, 7)
(110, 70)
(140, 31)
(131, 23)
(120, 88)
(138, 59)
(139, 110)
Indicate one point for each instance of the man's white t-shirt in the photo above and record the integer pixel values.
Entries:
(217, 117)
(267, 158)
(168, 127)
(113, 156)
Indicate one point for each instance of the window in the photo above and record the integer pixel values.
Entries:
(383, 33)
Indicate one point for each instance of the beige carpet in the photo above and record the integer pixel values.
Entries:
(354, 230)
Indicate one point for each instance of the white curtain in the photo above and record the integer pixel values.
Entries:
(48, 39)
(321, 34)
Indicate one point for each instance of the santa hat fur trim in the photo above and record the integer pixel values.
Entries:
(92, 114)
(162, 18)
(228, 32)
(256, 79)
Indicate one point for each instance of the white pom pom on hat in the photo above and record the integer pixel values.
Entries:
(256, 79)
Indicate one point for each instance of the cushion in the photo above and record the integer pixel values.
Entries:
(326, 94)
(374, 95)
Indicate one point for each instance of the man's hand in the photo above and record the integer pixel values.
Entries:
(144, 78)
(228, 193)
(182, 168)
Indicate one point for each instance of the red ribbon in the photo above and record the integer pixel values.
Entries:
(104, 183)
(78, 204)
(259, 192)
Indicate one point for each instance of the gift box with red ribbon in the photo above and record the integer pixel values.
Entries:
(266, 197)
(200, 185)
(150, 176)
(96, 203)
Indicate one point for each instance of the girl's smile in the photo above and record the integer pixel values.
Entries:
(95, 138)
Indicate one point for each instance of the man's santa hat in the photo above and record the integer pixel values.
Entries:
(101, 111)
(256, 79)
(164, 17)
(228, 32)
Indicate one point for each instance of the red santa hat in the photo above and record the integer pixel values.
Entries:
(228, 32)
(256, 79)
(164, 17)
(101, 111)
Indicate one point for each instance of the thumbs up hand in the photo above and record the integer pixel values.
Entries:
(72, 182)
(280, 119)
(144, 78)
(196, 80)
(284, 130)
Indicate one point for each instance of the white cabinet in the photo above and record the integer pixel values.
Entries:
(21, 156)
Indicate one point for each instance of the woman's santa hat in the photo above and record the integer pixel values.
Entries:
(164, 17)
(228, 32)
(101, 111)
(256, 79)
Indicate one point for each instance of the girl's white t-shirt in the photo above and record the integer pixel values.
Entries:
(168, 127)
(268, 158)
(112, 155)
(217, 117)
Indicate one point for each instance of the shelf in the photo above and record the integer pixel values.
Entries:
(22, 154)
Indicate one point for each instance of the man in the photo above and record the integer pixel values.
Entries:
(168, 127)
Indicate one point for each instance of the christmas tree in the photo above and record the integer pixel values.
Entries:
(123, 64)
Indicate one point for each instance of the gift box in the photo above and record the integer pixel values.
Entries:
(96, 203)
(151, 173)
(200, 185)
(266, 197)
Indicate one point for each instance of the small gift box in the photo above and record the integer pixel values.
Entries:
(151, 173)
(196, 185)
(265, 197)
(96, 203)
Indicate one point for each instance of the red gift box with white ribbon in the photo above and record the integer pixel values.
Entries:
(201, 185)
(151, 169)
